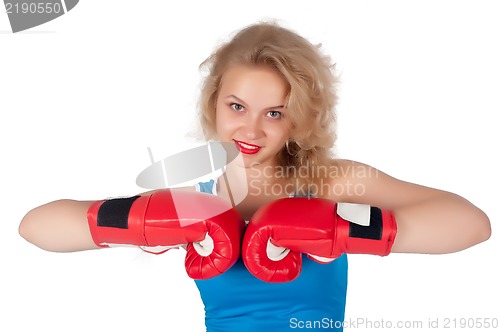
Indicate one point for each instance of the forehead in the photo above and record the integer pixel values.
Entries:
(251, 80)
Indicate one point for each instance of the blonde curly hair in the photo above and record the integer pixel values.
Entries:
(311, 99)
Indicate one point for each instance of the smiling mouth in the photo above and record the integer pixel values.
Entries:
(247, 148)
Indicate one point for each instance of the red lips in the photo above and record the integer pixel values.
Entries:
(247, 148)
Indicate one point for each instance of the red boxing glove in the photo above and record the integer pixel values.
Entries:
(210, 226)
(282, 230)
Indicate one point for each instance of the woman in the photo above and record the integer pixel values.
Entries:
(272, 93)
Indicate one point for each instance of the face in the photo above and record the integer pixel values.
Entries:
(250, 112)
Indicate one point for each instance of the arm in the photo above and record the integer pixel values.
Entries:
(61, 226)
(428, 220)
(209, 226)
(404, 217)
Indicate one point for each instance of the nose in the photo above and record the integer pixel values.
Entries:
(253, 128)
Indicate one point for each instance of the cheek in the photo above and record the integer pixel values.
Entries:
(219, 115)
(222, 123)
(280, 134)
(286, 131)
(219, 128)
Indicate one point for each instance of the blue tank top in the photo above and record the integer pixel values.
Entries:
(238, 301)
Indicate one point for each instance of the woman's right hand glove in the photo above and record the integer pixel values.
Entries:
(210, 227)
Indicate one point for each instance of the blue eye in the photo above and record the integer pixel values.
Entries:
(236, 107)
(275, 114)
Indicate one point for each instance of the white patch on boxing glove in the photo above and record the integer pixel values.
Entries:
(205, 247)
(150, 250)
(158, 249)
(320, 259)
(275, 253)
(355, 213)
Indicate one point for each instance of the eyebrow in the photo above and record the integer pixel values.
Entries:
(242, 102)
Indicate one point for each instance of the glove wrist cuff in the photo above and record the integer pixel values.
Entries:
(118, 221)
(376, 238)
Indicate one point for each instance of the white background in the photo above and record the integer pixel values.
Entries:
(83, 96)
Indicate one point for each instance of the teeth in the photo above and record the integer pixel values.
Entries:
(246, 146)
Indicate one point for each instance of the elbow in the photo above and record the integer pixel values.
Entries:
(483, 229)
(27, 227)
(476, 228)
(475, 231)
(38, 227)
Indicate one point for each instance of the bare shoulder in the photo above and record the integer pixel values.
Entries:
(344, 170)
(356, 182)
(348, 179)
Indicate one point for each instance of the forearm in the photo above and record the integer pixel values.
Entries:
(59, 226)
(444, 224)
